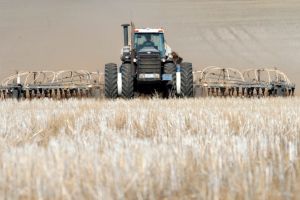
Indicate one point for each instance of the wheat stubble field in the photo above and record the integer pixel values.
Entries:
(150, 149)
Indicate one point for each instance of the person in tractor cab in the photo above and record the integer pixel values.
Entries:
(148, 42)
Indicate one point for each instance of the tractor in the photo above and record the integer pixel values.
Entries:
(148, 66)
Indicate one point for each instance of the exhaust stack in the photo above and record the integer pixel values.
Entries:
(125, 30)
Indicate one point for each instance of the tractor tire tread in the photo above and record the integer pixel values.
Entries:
(127, 81)
(187, 79)
(111, 81)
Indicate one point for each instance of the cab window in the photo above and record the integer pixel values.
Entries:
(143, 39)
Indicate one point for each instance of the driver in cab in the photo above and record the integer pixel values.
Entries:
(148, 42)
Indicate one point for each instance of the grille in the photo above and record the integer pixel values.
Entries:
(149, 63)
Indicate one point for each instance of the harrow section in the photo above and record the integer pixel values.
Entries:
(57, 85)
(217, 81)
(211, 81)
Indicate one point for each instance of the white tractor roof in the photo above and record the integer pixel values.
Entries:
(148, 30)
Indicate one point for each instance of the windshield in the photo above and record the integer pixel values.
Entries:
(155, 40)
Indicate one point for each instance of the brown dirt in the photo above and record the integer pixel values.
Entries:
(64, 34)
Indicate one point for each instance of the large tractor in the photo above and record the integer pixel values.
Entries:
(148, 66)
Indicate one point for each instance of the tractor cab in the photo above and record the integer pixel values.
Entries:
(149, 40)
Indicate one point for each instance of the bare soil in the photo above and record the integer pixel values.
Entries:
(64, 34)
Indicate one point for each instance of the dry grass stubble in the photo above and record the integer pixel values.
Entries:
(150, 149)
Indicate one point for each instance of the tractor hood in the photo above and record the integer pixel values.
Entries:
(148, 50)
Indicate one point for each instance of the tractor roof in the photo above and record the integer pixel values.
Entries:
(148, 30)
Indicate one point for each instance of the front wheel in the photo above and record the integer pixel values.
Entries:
(111, 81)
(127, 81)
(186, 79)
(170, 68)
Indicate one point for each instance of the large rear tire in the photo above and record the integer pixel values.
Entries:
(111, 81)
(127, 81)
(170, 68)
(187, 80)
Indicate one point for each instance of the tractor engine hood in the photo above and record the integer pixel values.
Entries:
(148, 50)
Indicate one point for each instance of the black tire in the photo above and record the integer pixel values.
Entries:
(15, 93)
(127, 81)
(111, 81)
(187, 80)
(170, 68)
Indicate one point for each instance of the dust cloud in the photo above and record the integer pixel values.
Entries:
(86, 34)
